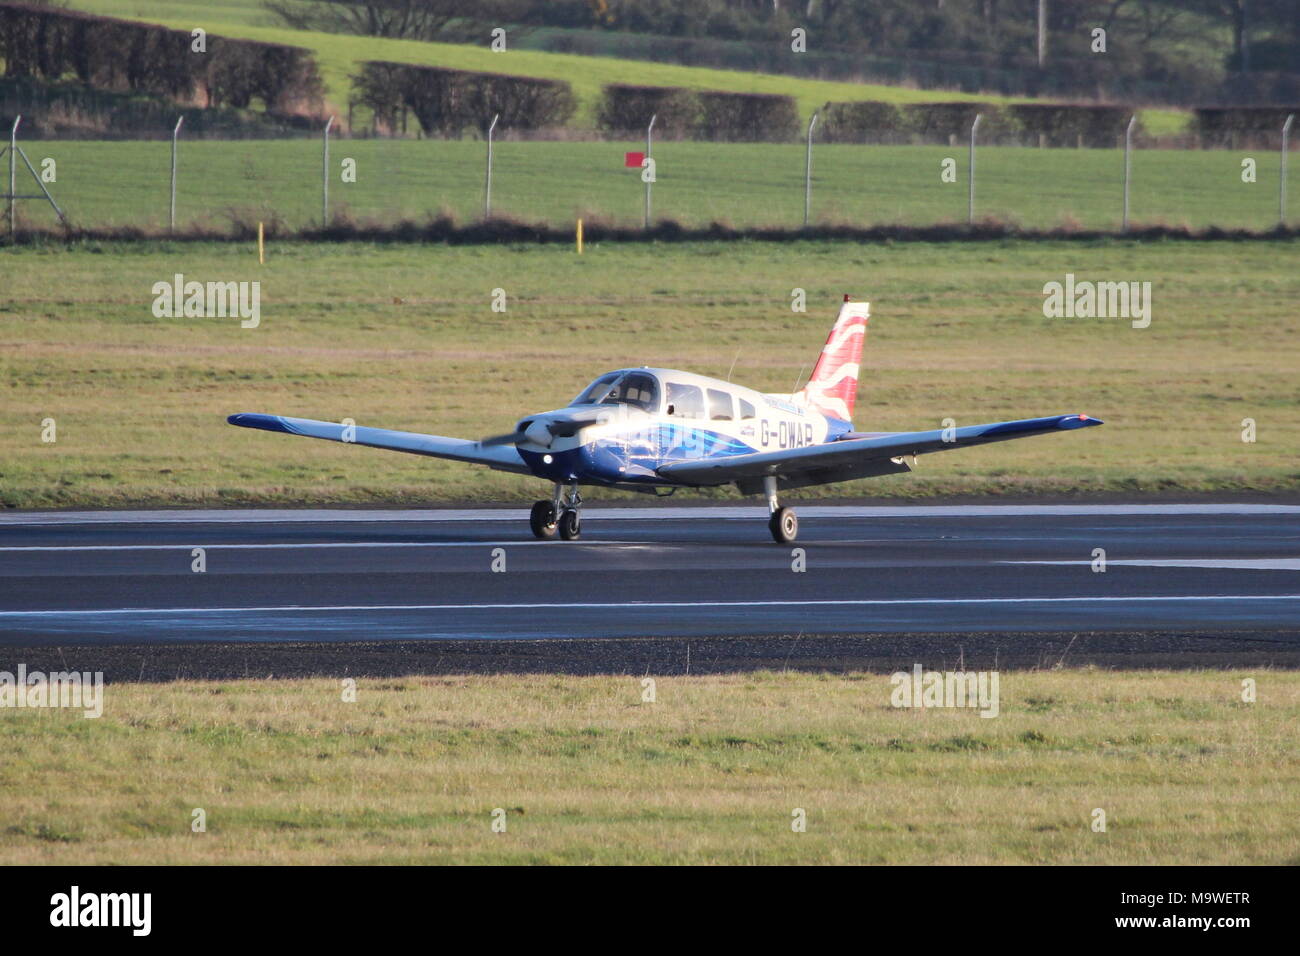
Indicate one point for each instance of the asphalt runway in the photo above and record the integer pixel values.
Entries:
(981, 573)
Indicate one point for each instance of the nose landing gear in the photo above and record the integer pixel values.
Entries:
(783, 523)
(563, 513)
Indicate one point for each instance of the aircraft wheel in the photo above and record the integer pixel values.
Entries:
(784, 525)
(542, 520)
(570, 525)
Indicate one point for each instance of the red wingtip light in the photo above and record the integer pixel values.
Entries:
(846, 298)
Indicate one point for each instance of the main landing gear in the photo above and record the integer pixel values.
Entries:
(563, 513)
(784, 523)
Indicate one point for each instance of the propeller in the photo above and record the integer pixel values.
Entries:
(545, 429)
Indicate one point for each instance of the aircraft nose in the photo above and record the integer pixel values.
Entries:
(538, 433)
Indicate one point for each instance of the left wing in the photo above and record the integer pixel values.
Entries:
(500, 457)
(857, 456)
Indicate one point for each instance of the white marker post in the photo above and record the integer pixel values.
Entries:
(1128, 149)
(325, 177)
(487, 184)
(807, 172)
(176, 132)
(970, 172)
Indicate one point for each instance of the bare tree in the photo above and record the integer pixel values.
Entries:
(404, 19)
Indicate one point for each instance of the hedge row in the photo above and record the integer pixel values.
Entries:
(70, 110)
(1234, 126)
(447, 102)
(1050, 124)
(48, 43)
(625, 110)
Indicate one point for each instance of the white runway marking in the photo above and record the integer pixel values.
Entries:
(1230, 564)
(626, 605)
(513, 543)
(676, 513)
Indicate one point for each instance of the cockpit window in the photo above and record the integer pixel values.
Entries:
(622, 388)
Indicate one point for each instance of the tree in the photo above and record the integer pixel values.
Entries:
(447, 20)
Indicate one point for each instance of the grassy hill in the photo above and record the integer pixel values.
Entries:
(338, 55)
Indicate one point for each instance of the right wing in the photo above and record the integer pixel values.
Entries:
(858, 456)
(500, 457)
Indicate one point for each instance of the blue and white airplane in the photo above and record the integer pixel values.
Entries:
(656, 430)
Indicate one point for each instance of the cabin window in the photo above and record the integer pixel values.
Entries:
(746, 410)
(720, 409)
(685, 401)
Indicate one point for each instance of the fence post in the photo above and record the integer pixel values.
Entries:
(1281, 188)
(1128, 149)
(171, 218)
(649, 145)
(325, 177)
(487, 184)
(13, 175)
(807, 172)
(970, 172)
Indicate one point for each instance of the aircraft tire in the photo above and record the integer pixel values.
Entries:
(570, 525)
(784, 525)
(542, 520)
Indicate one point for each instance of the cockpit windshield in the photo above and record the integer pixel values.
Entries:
(622, 388)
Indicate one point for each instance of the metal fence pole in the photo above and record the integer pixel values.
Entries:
(970, 172)
(1128, 149)
(13, 175)
(325, 177)
(487, 184)
(1281, 188)
(171, 218)
(649, 146)
(807, 173)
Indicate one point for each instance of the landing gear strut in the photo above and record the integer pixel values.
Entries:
(562, 513)
(783, 523)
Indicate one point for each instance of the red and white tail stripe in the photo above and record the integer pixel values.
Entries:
(833, 388)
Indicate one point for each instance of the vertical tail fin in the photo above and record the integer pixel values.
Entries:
(833, 388)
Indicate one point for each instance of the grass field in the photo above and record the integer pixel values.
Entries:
(338, 56)
(127, 183)
(404, 337)
(712, 771)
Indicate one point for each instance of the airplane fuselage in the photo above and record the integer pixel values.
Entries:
(688, 417)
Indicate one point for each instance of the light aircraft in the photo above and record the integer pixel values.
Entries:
(656, 430)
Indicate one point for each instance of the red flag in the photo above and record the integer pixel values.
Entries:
(633, 160)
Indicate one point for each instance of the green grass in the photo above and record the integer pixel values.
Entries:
(710, 773)
(338, 56)
(404, 337)
(127, 183)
